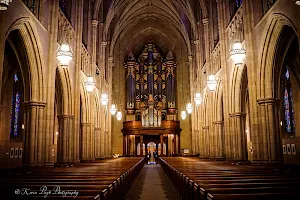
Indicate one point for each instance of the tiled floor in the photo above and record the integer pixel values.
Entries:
(152, 183)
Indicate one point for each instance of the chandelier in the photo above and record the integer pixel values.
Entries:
(64, 55)
(104, 99)
(119, 116)
(212, 83)
(113, 109)
(198, 99)
(183, 115)
(4, 4)
(89, 84)
(238, 53)
(189, 108)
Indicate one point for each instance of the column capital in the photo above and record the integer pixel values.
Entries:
(85, 124)
(218, 122)
(205, 21)
(237, 114)
(190, 58)
(34, 103)
(104, 44)
(205, 127)
(95, 23)
(97, 128)
(196, 42)
(65, 116)
(271, 100)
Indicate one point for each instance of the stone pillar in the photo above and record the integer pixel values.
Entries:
(124, 145)
(34, 135)
(175, 145)
(65, 139)
(161, 144)
(141, 145)
(97, 142)
(206, 144)
(130, 87)
(219, 140)
(270, 133)
(85, 133)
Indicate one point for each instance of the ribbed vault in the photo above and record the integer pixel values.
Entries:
(126, 15)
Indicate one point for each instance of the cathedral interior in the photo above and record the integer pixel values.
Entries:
(201, 95)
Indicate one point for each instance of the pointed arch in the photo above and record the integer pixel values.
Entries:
(32, 68)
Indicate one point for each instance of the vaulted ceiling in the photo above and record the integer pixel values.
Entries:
(161, 21)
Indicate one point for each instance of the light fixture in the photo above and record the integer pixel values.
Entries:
(212, 82)
(23, 126)
(89, 84)
(56, 133)
(4, 4)
(238, 53)
(119, 116)
(189, 108)
(64, 55)
(198, 99)
(297, 3)
(104, 99)
(183, 115)
(113, 109)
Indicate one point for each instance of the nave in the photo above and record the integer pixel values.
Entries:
(172, 178)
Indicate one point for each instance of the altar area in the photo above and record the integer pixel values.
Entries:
(151, 114)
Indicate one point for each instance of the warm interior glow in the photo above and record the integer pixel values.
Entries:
(189, 108)
(119, 116)
(198, 99)
(113, 109)
(104, 99)
(4, 4)
(212, 82)
(89, 84)
(238, 53)
(183, 115)
(64, 55)
(297, 3)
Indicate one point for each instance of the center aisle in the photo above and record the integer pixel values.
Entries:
(152, 183)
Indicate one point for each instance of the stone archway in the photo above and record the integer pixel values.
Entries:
(22, 45)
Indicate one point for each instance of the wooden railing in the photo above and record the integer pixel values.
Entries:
(119, 188)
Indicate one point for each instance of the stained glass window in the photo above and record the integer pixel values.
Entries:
(288, 104)
(15, 116)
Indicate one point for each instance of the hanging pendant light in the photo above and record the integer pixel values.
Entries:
(183, 115)
(90, 84)
(189, 108)
(212, 83)
(64, 55)
(198, 99)
(238, 53)
(113, 109)
(297, 2)
(119, 116)
(4, 4)
(104, 99)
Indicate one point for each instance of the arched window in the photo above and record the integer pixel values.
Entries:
(288, 104)
(15, 118)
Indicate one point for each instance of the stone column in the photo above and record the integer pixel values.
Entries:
(85, 130)
(65, 139)
(141, 145)
(219, 140)
(161, 144)
(34, 135)
(97, 142)
(206, 144)
(270, 132)
(175, 145)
